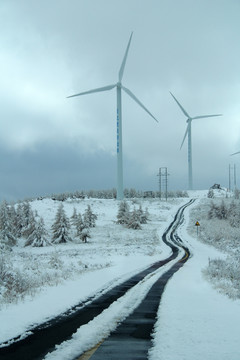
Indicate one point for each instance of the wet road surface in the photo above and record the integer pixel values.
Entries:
(135, 331)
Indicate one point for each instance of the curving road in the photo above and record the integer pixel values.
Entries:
(132, 338)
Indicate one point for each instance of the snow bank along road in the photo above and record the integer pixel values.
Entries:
(132, 338)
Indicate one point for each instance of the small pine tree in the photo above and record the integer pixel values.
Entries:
(30, 227)
(84, 235)
(19, 220)
(79, 225)
(61, 227)
(134, 221)
(143, 216)
(7, 237)
(73, 217)
(123, 213)
(89, 217)
(38, 236)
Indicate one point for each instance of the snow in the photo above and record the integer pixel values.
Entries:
(194, 320)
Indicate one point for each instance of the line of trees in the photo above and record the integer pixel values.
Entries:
(112, 194)
(131, 219)
(23, 222)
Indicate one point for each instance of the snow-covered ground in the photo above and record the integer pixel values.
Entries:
(194, 320)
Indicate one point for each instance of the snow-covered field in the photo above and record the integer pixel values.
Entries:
(195, 320)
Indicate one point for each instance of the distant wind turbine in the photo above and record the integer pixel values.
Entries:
(119, 87)
(189, 133)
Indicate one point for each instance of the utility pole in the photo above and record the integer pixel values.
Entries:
(163, 182)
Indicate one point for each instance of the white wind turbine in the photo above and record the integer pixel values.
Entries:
(189, 133)
(119, 87)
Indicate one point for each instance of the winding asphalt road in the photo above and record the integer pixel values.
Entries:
(131, 340)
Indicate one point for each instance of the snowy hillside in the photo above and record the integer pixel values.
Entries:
(48, 280)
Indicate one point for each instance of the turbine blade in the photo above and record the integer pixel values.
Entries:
(183, 110)
(105, 88)
(184, 137)
(205, 116)
(137, 101)
(120, 74)
(235, 153)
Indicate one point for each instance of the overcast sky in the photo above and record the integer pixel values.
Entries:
(50, 49)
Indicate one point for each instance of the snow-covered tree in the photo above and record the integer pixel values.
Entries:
(134, 220)
(223, 211)
(26, 213)
(19, 220)
(38, 236)
(123, 213)
(84, 235)
(79, 224)
(61, 227)
(30, 226)
(234, 214)
(73, 218)
(143, 215)
(7, 237)
(89, 217)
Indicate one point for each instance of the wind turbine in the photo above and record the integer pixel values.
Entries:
(119, 87)
(189, 133)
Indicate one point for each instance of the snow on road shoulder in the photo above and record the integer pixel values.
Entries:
(124, 251)
(194, 320)
(89, 335)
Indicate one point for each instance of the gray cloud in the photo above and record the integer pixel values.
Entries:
(50, 50)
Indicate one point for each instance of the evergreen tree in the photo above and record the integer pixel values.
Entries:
(143, 216)
(134, 221)
(26, 213)
(6, 235)
(84, 235)
(30, 225)
(73, 218)
(123, 213)
(89, 217)
(79, 225)
(61, 227)
(38, 236)
(19, 220)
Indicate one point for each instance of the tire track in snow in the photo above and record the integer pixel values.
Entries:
(43, 339)
(132, 338)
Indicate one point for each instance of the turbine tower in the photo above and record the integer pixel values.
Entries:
(189, 133)
(119, 87)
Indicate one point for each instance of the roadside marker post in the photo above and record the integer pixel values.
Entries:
(197, 225)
